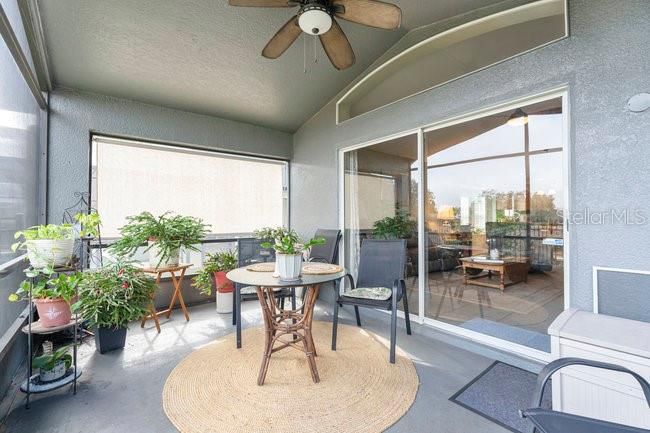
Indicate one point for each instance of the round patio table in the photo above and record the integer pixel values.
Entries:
(279, 322)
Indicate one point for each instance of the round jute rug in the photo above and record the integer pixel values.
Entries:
(214, 389)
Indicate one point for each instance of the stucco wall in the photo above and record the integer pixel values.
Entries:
(605, 61)
(75, 114)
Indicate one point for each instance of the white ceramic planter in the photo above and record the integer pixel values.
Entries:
(56, 373)
(45, 252)
(289, 266)
(224, 302)
(154, 257)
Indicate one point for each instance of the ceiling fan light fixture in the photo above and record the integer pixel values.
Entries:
(315, 20)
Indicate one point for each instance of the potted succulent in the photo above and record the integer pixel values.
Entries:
(288, 251)
(52, 296)
(46, 245)
(52, 365)
(110, 298)
(215, 268)
(164, 236)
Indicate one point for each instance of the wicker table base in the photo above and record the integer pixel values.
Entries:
(280, 323)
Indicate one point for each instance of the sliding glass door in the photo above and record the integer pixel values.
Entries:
(491, 208)
(495, 231)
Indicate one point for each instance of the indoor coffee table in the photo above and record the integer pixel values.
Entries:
(278, 322)
(511, 271)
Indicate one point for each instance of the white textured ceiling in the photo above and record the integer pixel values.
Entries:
(204, 56)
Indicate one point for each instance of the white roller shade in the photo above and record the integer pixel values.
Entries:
(233, 194)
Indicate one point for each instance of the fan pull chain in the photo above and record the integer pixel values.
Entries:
(306, 40)
(304, 53)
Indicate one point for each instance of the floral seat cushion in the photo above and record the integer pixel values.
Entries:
(252, 290)
(372, 293)
(248, 290)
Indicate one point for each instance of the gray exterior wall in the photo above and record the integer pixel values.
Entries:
(605, 61)
(75, 114)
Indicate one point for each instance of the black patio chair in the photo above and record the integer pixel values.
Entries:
(329, 251)
(250, 251)
(550, 421)
(380, 285)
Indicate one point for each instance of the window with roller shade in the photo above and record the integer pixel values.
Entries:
(235, 194)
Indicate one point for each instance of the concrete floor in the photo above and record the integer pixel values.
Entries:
(121, 391)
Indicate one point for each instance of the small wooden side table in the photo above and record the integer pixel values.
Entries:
(177, 280)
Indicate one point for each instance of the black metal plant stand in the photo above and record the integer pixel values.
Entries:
(33, 385)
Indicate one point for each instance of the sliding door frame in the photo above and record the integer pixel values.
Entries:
(497, 343)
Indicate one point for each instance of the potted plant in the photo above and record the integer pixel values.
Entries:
(397, 227)
(110, 298)
(88, 224)
(288, 252)
(46, 245)
(52, 365)
(269, 235)
(215, 268)
(164, 236)
(52, 296)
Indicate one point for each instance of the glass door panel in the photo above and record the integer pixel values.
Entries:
(380, 182)
(494, 231)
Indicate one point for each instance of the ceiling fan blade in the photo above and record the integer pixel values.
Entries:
(282, 39)
(337, 47)
(262, 3)
(371, 13)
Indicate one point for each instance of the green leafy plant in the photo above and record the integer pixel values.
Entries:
(270, 234)
(397, 227)
(114, 295)
(64, 286)
(48, 361)
(169, 232)
(286, 241)
(50, 232)
(219, 262)
(90, 223)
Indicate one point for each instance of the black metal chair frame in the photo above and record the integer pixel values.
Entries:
(573, 423)
(396, 282)
(329, 235)
(319, 253)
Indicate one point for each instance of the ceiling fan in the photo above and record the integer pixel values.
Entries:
(316, 17)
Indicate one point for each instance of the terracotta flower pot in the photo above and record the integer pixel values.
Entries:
(53, 312)
(223, 284)
(224, 292)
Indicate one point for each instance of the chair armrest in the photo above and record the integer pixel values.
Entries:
(558, 364)
(399, 287)
(318, 260)
(350, 278)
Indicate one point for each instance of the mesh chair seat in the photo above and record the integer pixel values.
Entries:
(370, 293)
